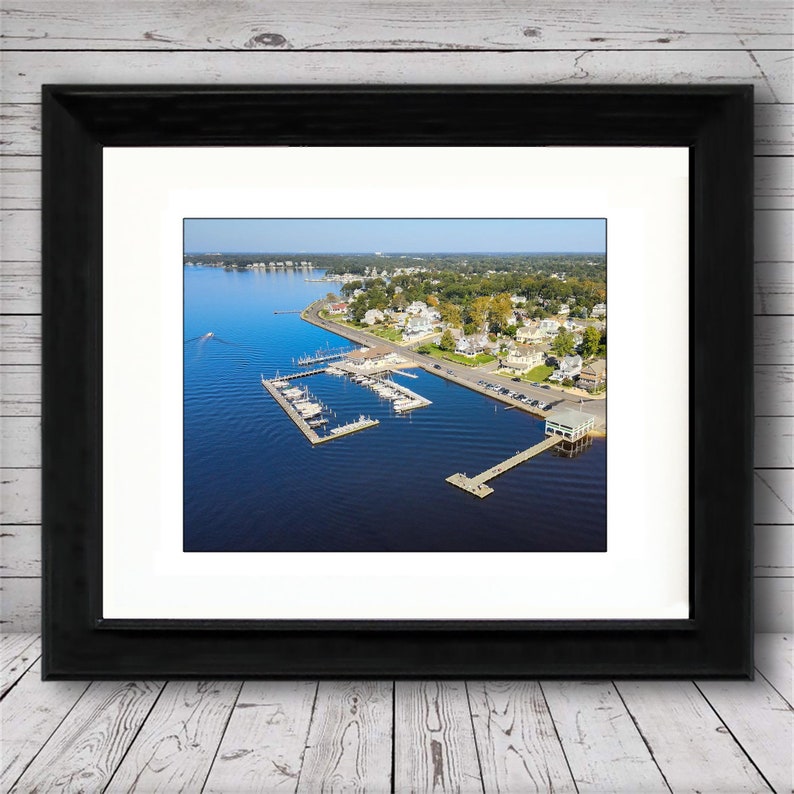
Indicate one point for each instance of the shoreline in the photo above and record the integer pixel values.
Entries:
(309, 315)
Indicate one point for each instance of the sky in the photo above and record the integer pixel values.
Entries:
(403, 235)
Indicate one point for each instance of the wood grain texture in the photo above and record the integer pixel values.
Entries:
(774, 390)
(774, 287)
(690, 744)
(20, 391)
(262, 748)
(773, 236)
(20, 604)
(774, 442)
(774, 183)
(17, 653)
(760, 721)
(516, 739)
(20, 551)
(176, 745)
(773, 339)
(91, 741)
(774, 551)
(20, 444)
(20, 287)
(434, 747)
(31, 713)
(355, 24)
(773, 131)
(774, 659)
(601, 743)
(350, 740)
(20, 340)
(20, 496)
(773, 497)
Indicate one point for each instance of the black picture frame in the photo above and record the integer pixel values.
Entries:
(716, 122)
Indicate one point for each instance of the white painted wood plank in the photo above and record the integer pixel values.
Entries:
(774, 287)
(20, 183)
(20, 287)
(356, 24)
(175, 747)
(21, 240)
(434, 748)
(20, 441)
(20, 496)
(774, 442)
(20, 340)
(774, 551)
(20, 391)
(350, 739)
(774, 604)
(91, 741)
(21, 123)
(20, 551)
(18, 651)
(774, 659)
(761, 722)
(31, 713)
(517, 743)
(688, 741)
(20, 604)
(774, 391)
(773, 237)
(262, 748)
(773, 130)
(774, 183)
(773, 497)
(602, 745)
(778, 70)
(774, 341)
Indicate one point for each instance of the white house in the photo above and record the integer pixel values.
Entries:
(549, 327)
(416, 326)
(373, 316)
(569, 367)
(599, 310)
(523, 358)
(530, 333)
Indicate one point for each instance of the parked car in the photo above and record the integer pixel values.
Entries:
(449, 372)
(516, 380)
(436, 366)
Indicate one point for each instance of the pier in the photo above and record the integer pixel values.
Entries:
(288, 311)
(322, 356)
(314, 438)
(477, 485)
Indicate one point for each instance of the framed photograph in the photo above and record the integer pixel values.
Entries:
(325, 381)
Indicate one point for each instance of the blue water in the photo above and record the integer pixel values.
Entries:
(254, 483)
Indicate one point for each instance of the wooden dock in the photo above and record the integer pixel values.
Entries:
(477, 485)
(313, 437)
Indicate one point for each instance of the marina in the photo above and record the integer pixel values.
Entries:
(322, 356)
(306, 413)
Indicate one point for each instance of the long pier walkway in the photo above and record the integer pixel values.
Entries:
(476, 485)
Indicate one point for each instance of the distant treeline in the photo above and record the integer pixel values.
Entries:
(583, 266)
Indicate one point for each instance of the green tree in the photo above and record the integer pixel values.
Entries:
(563, 343)
(450, 313)
(591, 339)
(500, 310)
(447, 341)
(478, 310)
(358, 307)
(351, 286)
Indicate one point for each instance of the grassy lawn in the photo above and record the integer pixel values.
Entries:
(392, 334)
(538, 374)
(443, 355)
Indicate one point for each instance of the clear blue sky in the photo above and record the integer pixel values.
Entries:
(331, 236)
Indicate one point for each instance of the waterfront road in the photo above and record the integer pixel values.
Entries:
(466, 376)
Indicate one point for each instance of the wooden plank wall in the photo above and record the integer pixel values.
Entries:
(305, 41)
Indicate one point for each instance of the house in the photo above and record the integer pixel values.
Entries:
(367, 358)
(599, 310)
(336, 308)
(530, 333)
(416, 326)
(548, 327)
(569, 367)
(523, 358)
(417, 307)
(373, 316)
(471, 345)
(564, 309)
(593, 375)
(571, 425)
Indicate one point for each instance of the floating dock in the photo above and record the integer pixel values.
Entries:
(477, 485)
(362, 423)
(321, 356)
